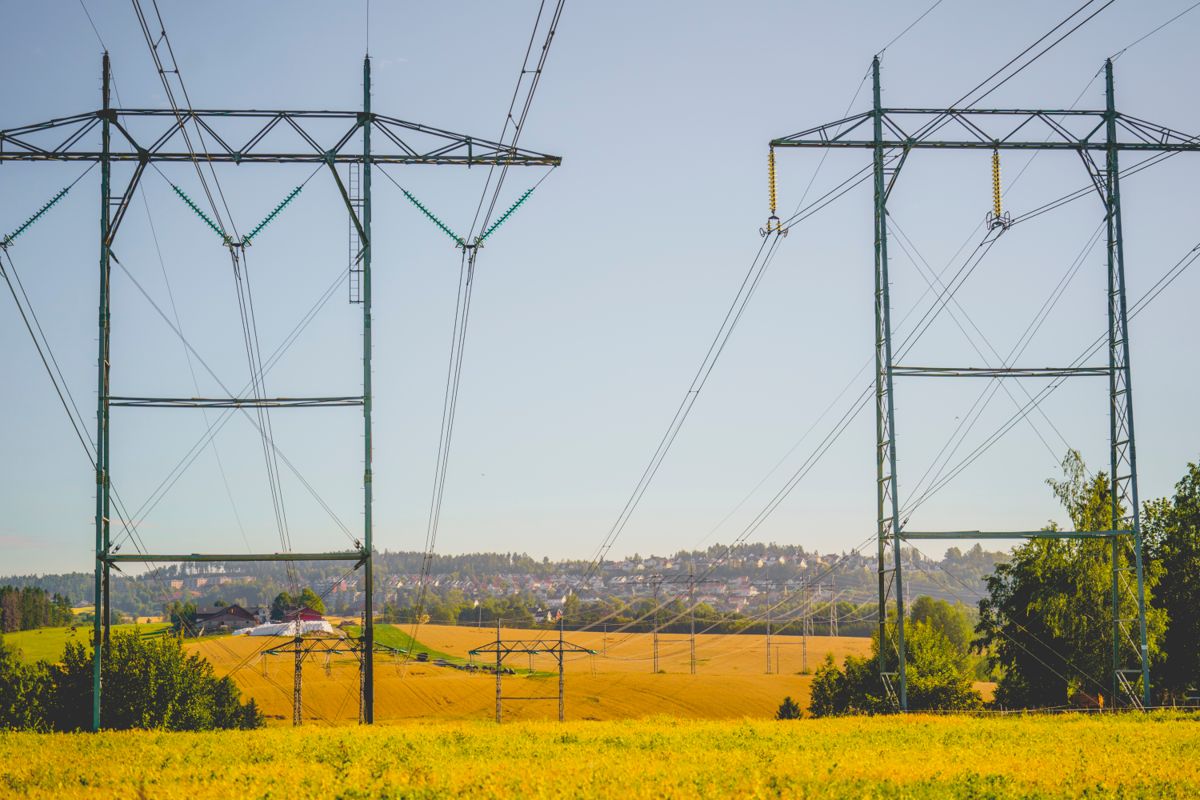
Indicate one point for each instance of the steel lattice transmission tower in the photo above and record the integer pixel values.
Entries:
(276, 137)
(893, 134)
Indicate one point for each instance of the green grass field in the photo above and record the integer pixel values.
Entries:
(396, 636)
(46, 644)
(918, 757)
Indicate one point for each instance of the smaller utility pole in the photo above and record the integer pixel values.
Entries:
(657, 580)
(298, 680)
(498, 709)
(833, 622)
(362, 675)
(768, 629)
(692, 609)
(558, 650)
(562, 707)
(805, 623)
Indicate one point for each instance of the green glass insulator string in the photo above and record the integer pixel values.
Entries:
(246, 239)
(432, 218)
(492, 228)
(207, 220)
(7, 240)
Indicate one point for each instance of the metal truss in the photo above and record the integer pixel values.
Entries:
(993, 129)
(234, 402)
(147, 136)
(503, 648)
(988, 372)
(249, 136)
(895, 132)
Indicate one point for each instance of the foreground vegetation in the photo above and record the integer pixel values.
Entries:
(1127, 756)
(48, 644)
(149, 682)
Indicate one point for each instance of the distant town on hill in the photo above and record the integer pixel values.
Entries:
(738, 580)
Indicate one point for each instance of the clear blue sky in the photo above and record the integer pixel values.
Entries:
(597, 300)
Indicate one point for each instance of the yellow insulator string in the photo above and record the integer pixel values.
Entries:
(771, 177)
(996, 182)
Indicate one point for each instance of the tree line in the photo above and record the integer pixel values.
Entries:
(27, 607)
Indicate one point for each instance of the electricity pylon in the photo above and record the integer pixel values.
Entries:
(277, 137)
(896, 132)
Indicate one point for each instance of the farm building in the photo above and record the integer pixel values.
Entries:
(232, 617)
(305, 614)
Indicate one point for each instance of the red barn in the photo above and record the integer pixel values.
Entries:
(305, 614)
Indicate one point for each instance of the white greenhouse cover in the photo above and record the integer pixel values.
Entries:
(287, 628)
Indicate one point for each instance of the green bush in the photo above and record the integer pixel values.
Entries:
(148, 682)
(939, 678)
(788, 709)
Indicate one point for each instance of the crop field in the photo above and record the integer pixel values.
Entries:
(1117, 756)
(616, 683)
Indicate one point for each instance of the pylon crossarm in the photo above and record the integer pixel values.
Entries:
(907, 535)
(184, 558)
(994, 129)
(1004, 372)
(234, 402)
(304, 137)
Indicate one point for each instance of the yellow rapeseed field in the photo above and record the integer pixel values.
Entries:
(1126, 756)
(617, 683)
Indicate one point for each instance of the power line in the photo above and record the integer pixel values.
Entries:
(1146, 36)
(911, 25)
(242, 283)
(975, 413)
(833, 194)
(286, 344)
(1153, 292)
(192, 367)
(861, 402)
(733, 315)
(92, 22)
(463, 297)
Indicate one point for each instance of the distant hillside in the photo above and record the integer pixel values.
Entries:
(736, 579)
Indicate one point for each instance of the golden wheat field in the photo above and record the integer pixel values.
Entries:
(616, 683)
(1115, 756)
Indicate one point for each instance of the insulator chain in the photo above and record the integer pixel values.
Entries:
(274, 213)
(207, 220)
(773, 223)
(225, 237)
(458, 241)
(503, 217)
(7, 240)
(997, 218)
